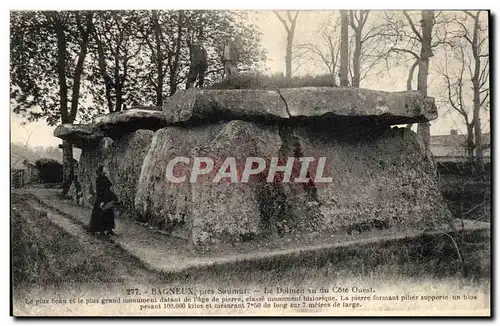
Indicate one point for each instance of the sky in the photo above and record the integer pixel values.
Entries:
(273, 41)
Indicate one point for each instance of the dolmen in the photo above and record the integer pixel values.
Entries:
(232, 165)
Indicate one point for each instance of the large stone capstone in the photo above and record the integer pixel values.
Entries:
(353, 103)
(120, 123)
(346, 103)
(79, 135)
(214, 105)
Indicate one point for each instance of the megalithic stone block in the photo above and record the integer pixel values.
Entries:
(380, 178)
(343, 103)
(358, 103)
(98, 154)
(205, 211)
(79, 135)
(117, 124)
(213, 105)
(123, 159)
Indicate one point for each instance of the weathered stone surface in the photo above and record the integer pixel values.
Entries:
(381, 178)
(126, 164)
(122, 160)
(378, 178)
(90, 158)
(204, 211)
(79, 135)
(245, 104)
(349, 102)
(75, 194)
(116, 124)
(305, 103)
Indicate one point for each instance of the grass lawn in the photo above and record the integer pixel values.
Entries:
(47, 261)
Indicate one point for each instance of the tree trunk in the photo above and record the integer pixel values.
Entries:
(288, 57)
(61, 70)
(478, 137)
(410, 75)
(290, 32)
(423, 69)
(75, 94)
(175, 67)
(409, 84)
(356, 60)
(101, 61)
(344, 49)
(118, 93)
(119, 97)
(470, 141)
(423, 130)
(159, 59)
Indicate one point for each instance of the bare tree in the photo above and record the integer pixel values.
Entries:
(424, 128)
(289, 25)
(357, 21)
(368, 44)
(419, 41)
(326, 52)
(365, 48)
(456, 92)
(480, 76)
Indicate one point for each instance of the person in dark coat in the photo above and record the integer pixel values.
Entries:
(103, 218)
(198, 64)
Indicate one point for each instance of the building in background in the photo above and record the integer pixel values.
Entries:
(24, 174)
(452, 147)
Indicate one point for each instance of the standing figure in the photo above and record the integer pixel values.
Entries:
(199, 64)
(230, 59)
(103, 218)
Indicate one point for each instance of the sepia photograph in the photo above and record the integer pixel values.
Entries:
(228, 162)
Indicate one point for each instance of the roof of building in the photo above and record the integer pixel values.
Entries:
(455, 144)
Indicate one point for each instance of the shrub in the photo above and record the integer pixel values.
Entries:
(470, 169)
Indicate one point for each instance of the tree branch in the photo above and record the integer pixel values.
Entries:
(412, 25)
(283, 21)
(406, 51)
